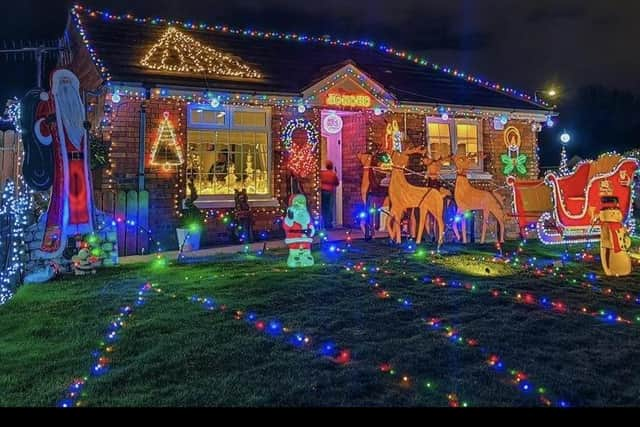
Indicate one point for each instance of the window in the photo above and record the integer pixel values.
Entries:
(467, 139)
(229, 150)
(454, 137)
(439, 139)
(200, 117)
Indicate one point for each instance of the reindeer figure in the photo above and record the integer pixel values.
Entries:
(434, 166)
(403, 196)
(369, 187)
(469, 198)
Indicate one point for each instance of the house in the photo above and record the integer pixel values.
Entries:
(224, 108)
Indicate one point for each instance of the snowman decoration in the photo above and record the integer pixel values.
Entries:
(299, 231)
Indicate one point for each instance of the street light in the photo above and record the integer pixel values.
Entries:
(549, 93)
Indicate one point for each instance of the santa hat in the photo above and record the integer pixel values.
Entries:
(294, 197)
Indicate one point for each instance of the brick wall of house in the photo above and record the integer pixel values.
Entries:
(354, 141)
(280, 116)
(167, 188)
(494, 147)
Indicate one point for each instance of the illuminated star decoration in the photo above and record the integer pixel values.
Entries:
(177, 52)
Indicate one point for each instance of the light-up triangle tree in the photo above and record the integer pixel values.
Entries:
(178, 52)
(166, 152)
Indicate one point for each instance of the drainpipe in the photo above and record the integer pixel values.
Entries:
(405, 125)
(141, 139)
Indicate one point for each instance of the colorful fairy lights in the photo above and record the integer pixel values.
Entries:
(74, 395)
(77, 10)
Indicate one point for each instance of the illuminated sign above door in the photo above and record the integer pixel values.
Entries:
(338, 99)
(348, 88)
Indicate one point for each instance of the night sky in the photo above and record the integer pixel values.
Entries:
(525, 44)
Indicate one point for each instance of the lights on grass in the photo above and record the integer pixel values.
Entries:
(102, 363)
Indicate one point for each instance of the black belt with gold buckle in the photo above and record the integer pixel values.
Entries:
(75, 155)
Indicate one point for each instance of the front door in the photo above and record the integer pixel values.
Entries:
(332, 150)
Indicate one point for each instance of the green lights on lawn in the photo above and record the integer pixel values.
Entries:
(159, 263)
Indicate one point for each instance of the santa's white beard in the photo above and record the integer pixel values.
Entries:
(69, 107)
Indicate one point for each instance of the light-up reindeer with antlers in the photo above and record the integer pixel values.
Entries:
(369, 187)
(469, 198)
(404, 196)
(434, 166)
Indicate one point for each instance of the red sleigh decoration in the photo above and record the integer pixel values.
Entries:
(575, 198)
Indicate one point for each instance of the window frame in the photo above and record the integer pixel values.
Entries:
(205, 126)
(440, 121)
(208, 201)
(453, 135)
(478, 125)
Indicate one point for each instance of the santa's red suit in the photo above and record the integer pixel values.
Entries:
(298, 236)
(60, 121)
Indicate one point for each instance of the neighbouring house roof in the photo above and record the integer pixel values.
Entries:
(286, 64)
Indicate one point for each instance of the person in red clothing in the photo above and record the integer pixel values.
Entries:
(328, 183)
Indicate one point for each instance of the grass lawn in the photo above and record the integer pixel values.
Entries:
(173, 352)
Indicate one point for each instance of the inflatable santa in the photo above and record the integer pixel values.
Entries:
(299, 231)
(57, 156)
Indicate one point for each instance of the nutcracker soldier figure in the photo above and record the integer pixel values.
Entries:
(299, 231)
(614, 238)
(57, 157)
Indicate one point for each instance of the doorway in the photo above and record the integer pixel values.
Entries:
(343, 136)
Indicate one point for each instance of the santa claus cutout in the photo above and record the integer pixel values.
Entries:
(299, 231)
(57, 145)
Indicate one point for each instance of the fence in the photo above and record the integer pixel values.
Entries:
(9, 156)
(130, 211)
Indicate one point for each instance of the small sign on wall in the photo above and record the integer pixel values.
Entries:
(498, 123)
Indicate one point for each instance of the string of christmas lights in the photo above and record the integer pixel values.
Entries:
(341, 356)
(530, 266)
(453, 335)
(531, 299)
(75, 395)
(16, 205)
(77, 10)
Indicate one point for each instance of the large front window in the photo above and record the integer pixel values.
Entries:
(229, 150)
